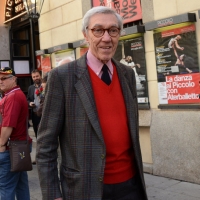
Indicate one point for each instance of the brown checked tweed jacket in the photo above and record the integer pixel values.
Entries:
(70, 117)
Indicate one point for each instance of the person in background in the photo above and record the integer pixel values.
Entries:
(34, 92)
(184, 63)
(42, 95)
(128, 61)
(173, 43)
(13, 126)
(91, 109)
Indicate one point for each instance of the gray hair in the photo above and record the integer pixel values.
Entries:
(100, 10)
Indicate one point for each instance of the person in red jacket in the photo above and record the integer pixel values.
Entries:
(13, 126)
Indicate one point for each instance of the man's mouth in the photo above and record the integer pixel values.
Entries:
(105, 47)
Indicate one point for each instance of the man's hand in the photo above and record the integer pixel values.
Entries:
(32, 104)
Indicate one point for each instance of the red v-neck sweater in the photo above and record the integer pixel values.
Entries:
(114, 125)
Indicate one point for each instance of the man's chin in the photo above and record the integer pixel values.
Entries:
(37, 82)
(105, 59)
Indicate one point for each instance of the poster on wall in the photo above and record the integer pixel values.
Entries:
(38, 59)
(129, 10)
(131, 52)
(177, 65)
(45, 63)
(64, 57)
(83, 50)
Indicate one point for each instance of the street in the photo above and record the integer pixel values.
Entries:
(158, 188)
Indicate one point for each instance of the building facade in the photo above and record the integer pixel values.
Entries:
(168, 116)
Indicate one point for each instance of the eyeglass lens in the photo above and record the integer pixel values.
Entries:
(4, 78)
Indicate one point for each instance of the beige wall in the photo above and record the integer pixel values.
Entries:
(169, 129)
(60, 23)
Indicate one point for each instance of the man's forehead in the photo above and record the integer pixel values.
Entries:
(35, 74)
(99, 20)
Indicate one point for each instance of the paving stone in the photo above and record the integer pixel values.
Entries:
(158, 188)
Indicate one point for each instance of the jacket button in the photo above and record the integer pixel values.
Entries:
(100, 179)
(102, 156)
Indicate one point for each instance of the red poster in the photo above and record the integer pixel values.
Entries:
(130, 10)
(83, 50)
(184, 88)
(38, 58)
(178, 31)
(46, 64)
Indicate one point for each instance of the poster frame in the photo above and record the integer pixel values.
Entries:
(6, 61)
(178, 105)
(130, 33)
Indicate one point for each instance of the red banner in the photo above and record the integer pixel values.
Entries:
(83, 51)
(130, 10)
(46, 64)
(178, 31)
(183, 88)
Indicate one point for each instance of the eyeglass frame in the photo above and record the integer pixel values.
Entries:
(104, 30)
(5, 77)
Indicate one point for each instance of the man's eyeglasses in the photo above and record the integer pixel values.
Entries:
(99, 32)
(5, 77)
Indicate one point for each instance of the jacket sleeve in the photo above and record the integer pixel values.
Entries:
(29, 95)
(47, 141)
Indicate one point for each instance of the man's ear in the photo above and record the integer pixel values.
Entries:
(86, 37)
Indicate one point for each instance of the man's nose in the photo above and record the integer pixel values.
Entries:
(106, 36)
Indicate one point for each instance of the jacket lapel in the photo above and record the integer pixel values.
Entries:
(129, 98)
(84, 89)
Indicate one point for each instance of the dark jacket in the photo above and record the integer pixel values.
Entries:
(70, 113)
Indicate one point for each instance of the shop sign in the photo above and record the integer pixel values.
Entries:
(13, 8)
(130, 10)
(188, 17)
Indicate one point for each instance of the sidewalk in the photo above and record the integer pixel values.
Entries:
(158, 188)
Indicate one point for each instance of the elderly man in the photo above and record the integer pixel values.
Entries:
(13, 126)
(91, 106)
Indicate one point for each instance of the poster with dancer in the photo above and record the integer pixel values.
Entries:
(131, 52)
(177, 65)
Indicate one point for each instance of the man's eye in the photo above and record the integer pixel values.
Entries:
(113, 30)
(98, 30)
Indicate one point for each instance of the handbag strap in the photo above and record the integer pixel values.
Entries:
(27, 129)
